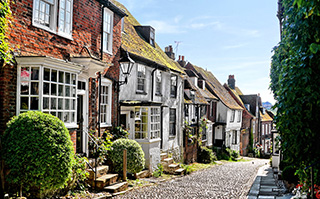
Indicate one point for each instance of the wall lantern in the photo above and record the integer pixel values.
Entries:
(126, 65)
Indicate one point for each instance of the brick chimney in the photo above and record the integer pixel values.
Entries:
(231, 82)
(169, 51)
(181, 61)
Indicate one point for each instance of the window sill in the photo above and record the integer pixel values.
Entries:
(66, 36)
(108, 52)
(148, 141)
(141, 93)
(61, 34)
(71, 126)
(171, 137)
(172, 96)
(158, 94)
(105, 125)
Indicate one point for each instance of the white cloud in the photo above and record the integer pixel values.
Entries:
(165, 27)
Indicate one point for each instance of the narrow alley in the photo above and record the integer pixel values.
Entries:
(231, 180)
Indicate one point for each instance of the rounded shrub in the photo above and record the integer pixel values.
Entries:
(135, 155)
(38, 151)
(206, 155)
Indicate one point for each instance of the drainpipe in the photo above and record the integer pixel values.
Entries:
(99, 106)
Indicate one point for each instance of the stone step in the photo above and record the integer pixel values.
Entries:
(118, 187)
(142, 174)
(172, 168)
(179, 171)
(106, 180)
(168, 160)
(163, 156)
(101, 170)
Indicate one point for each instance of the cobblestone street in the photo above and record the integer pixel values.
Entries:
(230, 180)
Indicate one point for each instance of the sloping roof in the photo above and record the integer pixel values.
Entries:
(265, 117)
(135, 45)
(218, 89)
(198, 98)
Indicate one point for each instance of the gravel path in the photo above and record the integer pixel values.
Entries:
(230, 180)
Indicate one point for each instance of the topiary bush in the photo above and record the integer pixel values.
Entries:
(135, 155)
(206, 155)
(38, 151)
(234, 155)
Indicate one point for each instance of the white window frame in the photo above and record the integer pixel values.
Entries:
(65, 28)
(262, 129)
(173, 85)
(158, 80)
(141, 69)
(52, 64)
(149, 129)
(232, 116)
(105, 103)
(107, 32)
(239, 116)
(234, 137)
(53, 17)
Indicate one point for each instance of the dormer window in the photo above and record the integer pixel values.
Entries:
(147, 33)
(201, 84)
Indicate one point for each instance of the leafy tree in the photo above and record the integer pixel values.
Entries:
(5, 15)
(295, 75)
(38, 151)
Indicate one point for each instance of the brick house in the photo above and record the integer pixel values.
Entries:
(66, 55)
(266, 135)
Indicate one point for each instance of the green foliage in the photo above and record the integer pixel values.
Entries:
(187, 168)
(206, 155)
(5, 17)
(118, 132)
(256, 152)
(295, 74)
(288, 174)
(37, 149)
(234, 155)
(135, 155)
(99, 147)
(157, 173)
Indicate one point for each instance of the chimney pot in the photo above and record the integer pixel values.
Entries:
(182, 58)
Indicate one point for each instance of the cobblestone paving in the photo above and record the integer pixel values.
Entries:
(231, 180)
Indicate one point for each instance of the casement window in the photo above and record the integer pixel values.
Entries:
(232, 116)
(262, 129)
(239, 116)
(173, 86)
(49, 90)
(172, 122)
(155, 123)
(105, 103)
(147, 119)
(107, 30)
(54, 16)
(141, 78)
(213, 108)
(234, 137)
(158, 82)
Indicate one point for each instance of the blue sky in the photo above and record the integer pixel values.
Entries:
(227, 37)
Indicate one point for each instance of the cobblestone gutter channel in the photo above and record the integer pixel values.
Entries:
(230, 180)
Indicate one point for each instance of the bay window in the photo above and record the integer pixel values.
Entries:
(48, 89)
(147, 119)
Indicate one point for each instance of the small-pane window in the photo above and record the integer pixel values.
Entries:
(155, 123)
(173, 86)
(104, 105)
(232, 116)
(158, 82)
(172, 122)
(65, 16)
(107, 30)
(141, 78)
(234, 137)
(141, 123)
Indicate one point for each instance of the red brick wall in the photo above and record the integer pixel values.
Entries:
(28, 40)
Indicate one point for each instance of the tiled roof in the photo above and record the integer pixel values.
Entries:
(198, 98)
(265, 117)
(134, 44)
(218, 89)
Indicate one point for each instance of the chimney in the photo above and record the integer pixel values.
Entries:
(169, 51)
(231, 82)
(181, 61)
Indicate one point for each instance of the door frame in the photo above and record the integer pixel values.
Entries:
(84, 93)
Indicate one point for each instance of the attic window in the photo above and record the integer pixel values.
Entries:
(147, 33)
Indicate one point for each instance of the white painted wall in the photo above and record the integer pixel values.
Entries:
(233, 126)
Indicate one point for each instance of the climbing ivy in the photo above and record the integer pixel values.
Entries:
(295, 83)
(5, 16)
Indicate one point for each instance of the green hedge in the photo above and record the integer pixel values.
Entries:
(38, 151)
